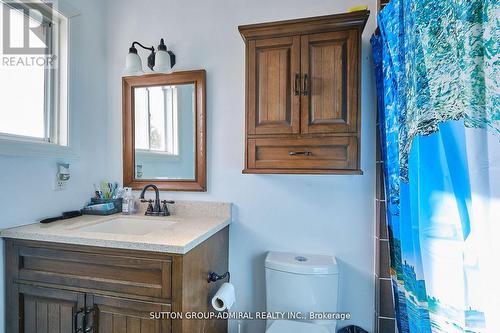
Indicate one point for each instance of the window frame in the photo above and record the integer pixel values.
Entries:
(59, 140)
(168, 119)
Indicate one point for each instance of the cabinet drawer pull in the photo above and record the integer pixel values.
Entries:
(300, 153)
(306, 85)
(297, 84)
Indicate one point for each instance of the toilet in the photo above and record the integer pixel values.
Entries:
(300, 283)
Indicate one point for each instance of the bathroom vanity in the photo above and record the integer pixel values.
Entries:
(112, 274)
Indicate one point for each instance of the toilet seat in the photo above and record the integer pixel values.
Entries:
(288, 326)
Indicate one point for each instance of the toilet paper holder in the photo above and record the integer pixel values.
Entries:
(214, 277)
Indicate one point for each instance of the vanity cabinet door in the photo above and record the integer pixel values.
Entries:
(44, 310)
(273, 98)
(330, 68)
(120, 315)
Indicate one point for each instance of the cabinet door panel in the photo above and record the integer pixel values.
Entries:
(45, 310)
(329, 66)
(273, 66)
(119, 315)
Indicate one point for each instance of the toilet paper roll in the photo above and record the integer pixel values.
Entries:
(224, 298)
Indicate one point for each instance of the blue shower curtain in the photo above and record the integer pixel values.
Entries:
(437, 68)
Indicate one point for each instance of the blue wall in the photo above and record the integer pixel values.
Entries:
(311, 214)
(27, 182)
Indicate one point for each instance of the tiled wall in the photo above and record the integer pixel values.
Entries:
(384, 304)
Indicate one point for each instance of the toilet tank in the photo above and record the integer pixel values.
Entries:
(301, 283)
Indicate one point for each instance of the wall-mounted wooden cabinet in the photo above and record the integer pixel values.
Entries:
(303, 95)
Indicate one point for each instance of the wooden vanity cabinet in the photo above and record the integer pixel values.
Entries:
(50, 285)
(303, 95)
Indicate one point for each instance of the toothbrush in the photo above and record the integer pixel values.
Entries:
(98, 192)
(104, 185)
(113, 191)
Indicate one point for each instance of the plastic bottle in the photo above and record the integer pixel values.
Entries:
(128, 203)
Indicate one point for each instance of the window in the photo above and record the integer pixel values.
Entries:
(33, 74)
(156, 120)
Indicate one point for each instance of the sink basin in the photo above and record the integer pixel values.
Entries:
(128, 226)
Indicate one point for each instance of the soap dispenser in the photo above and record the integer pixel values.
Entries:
(129, 203)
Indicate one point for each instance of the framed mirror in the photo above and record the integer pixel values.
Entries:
(164, 131)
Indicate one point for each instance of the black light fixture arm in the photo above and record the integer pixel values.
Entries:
(144, 47)
(151, 57)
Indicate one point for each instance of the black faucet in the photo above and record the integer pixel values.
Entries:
(156, 210)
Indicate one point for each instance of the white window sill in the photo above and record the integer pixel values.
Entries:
(151, 156)
(10, 147)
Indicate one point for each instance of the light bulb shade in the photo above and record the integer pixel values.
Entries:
(133, 65)
(162, 63)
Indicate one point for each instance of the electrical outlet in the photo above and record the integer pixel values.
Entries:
(60, 185)
(62, 176)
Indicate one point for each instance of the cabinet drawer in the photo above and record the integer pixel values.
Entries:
(325, 153)
(104, 272)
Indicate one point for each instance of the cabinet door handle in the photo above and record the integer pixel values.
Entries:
(300, 153)
(75, 320)
(92, 311)
(306, 85)
(297, 84)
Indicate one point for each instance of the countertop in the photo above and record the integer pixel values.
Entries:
(195, 222)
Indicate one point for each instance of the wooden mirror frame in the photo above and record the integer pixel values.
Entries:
(198, 78)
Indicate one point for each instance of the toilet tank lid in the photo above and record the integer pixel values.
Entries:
(302, 263)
